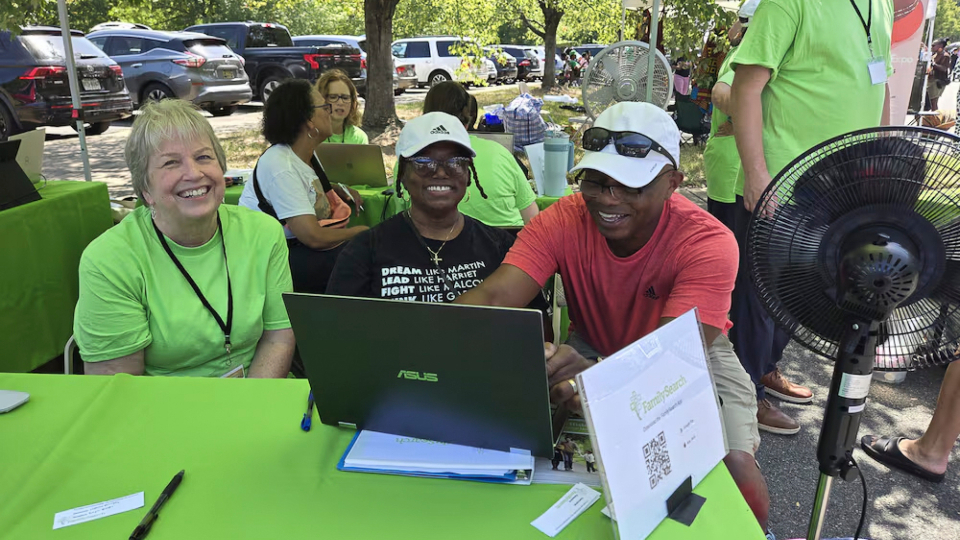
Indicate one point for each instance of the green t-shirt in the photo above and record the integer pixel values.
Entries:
(507, 189)
(721, 162)
(351, 135)
(819, 83)
(133, 297)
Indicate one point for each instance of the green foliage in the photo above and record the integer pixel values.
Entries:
(947, 23)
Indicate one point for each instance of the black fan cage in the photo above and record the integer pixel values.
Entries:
(898, 178)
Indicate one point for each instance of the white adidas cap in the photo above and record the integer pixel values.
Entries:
(431, 128)
(644, 118)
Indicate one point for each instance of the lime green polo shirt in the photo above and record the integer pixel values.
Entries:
(721, 162)
(351, 135)
(819, 85)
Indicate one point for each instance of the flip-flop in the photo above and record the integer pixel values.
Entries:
(886, 450)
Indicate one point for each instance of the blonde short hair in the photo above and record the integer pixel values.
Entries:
(158, 122)
(335, 75)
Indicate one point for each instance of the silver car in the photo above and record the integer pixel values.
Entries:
(186, 65)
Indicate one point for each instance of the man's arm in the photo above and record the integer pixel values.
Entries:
(274, 354)
(508, 286)
(748, 130)
(885, 115)
(721, 96)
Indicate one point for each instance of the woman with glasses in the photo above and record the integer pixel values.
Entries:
(289, 184)
(431, 252)
(338, 90)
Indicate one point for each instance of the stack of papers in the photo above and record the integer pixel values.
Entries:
(375, 452)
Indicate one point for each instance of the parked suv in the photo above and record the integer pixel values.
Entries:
(435, 61)
(185, 65)
(505, 64)
(527, 62)
(33, 83)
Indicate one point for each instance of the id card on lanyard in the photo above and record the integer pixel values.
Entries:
(877, 67)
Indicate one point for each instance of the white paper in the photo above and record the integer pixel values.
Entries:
(655, 421)
(535, 154)
(563, 512)
(380, 450)
(855, 386)
(878, 70)
(98, 510)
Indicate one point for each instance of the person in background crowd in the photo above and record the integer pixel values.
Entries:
(938, 74)
(338, 90)
(591, 461)
(510, 201)
(433, 239)
(633, 255)
(296, 119)
(681, 76)
(184, 285)
(785, 101)
(557, 456)
(569, 449)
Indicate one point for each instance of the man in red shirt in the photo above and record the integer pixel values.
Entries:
(633, 255)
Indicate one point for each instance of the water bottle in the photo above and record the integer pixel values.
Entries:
(556, 150)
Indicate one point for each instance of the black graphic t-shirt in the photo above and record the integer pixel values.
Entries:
(389, 262)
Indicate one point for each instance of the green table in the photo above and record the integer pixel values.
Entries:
(252, 473)
(42, 243)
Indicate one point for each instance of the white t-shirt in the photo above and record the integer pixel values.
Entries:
(286, 182)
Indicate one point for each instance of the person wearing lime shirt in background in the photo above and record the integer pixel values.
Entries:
(721, 162)
(510, 200)
(338, 90)
(807, 71)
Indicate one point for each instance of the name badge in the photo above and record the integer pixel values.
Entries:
(235, 373)
(878, 70)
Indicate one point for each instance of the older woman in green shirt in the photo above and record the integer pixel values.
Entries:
(338, 90)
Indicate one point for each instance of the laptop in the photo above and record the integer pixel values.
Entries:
(504, 139)
(30, 156)
(353, 164)
(458, 374)
(15, 187)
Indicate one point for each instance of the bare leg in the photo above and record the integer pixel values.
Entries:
(932, 450)
(745, 472)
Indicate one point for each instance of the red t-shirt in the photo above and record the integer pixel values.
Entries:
(690, 261)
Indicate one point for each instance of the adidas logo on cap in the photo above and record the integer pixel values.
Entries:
(439, 130)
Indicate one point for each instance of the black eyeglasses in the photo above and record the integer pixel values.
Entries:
(326, 107)
(627, 143)
(454, 167)
(593, 188)
(333, 98)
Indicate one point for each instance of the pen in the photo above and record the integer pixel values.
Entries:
(358, 204)
(307, 416)
(144, 527)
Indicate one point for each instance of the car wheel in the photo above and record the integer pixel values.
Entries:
(268, 86)
(222, 111)
(7, 126)
(155, 92)
(438, 77)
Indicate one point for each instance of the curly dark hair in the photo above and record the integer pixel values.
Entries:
(449, 97)
(289, 107)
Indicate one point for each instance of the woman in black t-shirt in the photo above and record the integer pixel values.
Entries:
(432, 252)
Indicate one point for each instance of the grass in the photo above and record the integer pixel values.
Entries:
(245, 146)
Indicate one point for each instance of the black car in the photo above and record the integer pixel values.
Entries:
(34, 90)
(527, 62)
(506, 65)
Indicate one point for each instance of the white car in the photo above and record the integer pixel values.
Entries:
(434, 61)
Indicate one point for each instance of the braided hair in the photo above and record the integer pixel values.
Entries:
(401, 173)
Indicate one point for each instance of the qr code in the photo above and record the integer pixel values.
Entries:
(657, 458)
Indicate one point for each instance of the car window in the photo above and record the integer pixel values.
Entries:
(123, 45)
(417, 49)
(50, 47)
(362, 44)
(209, 48)
(99, 41)
(150, 44)
(262, 36)
(444, 48)
(399, 50)
(224, 33)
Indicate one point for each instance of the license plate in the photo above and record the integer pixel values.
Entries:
(229, 74)
(91, 84)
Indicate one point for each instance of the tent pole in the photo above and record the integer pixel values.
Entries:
(74, 85)
(652, 57)
(923, 86)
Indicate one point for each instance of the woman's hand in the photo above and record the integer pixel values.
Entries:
(346, 192)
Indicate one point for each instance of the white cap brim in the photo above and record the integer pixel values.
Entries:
(631, 172)
(417, 148)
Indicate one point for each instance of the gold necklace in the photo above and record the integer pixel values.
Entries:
(436, 254)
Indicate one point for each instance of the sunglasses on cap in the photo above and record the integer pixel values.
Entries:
(627, 143)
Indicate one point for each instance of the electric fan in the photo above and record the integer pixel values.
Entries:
(854, 249)
(619, 73)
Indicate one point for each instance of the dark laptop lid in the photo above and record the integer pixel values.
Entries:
(460, 374)
(15, 187)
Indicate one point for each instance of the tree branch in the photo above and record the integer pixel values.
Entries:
(530, 24)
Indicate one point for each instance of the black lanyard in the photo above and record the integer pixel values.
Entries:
(223, 327)
(866, 24)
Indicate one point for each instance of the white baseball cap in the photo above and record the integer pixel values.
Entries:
(747, 10)
(643, 118)
(431, 128)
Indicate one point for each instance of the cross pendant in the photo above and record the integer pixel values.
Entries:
(436, 258)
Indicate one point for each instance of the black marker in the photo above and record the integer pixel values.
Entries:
(144, 527)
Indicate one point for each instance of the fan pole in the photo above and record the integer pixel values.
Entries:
(652, 55)
(852, 375)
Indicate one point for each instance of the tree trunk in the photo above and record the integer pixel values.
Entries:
(551, 23)
(379, 111)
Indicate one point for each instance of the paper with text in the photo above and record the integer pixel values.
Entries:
(563, 512)
(98, 510)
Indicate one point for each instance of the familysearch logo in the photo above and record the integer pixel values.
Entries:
(641, 407)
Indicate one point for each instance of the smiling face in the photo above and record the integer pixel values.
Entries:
(436, 192)
(336, 90)
(627, 225)
(185, 181)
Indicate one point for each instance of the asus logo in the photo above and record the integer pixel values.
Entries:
(417, 376)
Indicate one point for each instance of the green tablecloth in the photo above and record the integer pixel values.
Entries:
(41, 246)
(252, 473)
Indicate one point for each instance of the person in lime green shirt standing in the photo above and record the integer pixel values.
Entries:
(338, 90)
(807, 71)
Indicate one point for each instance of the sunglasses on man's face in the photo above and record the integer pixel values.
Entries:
(627, 143)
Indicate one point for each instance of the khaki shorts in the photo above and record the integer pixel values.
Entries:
(935, 89)
(738, 395)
